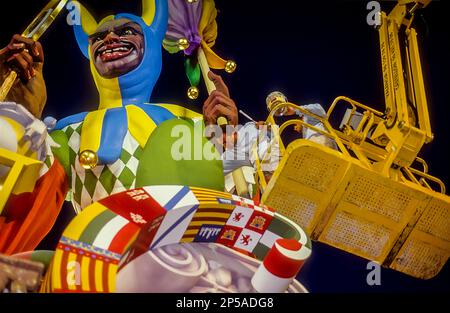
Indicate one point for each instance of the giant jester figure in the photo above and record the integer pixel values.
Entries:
(117, 151)
(101, 150)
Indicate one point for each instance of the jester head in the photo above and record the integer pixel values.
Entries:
(124, 52)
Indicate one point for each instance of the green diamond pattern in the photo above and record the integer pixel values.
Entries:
(79, 127)
(138, 153)
(87, 186)
(107, 179)
(90, 182)
(69, 131)
(72, 156)
(78, 187)
(126, 177)
(125, 156)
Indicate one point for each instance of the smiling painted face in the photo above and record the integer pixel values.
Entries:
(117, 47)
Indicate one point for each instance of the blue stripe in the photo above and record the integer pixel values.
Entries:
(175, 199)
(156, 113)
(174, 225)
(73, 119)
(82, 39)
(115, 126)
(89, 247)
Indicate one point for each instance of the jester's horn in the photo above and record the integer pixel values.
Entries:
(88, 22)
(84, 25)
(155, 13)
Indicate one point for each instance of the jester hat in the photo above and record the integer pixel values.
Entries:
(123, 100)
(136, 86)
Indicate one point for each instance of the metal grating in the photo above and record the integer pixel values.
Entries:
(357, 235)
(420, 259)
(299, 209)
(311, 170)
(370, 195)
(436, 220)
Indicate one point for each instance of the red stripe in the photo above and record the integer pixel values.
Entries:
(105, 277)
(122, 238)
(218, 210)
(78, 260)
(63, 269)
(290, 244)
(209, 219)
(92, 275)
(280, 265)
(212, 193)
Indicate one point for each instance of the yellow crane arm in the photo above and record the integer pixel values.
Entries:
(407, 124)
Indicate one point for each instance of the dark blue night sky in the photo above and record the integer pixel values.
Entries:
(313, 51)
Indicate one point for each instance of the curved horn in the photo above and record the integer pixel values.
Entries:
(155, 13)
(83, 26)
(88, 22)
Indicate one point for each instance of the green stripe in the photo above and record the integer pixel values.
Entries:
(309, 243)
(286, 230)
(94, 227)
(42, 256)
(283, 229)
(260, 251)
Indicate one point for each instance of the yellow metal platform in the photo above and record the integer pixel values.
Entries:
(338, 201)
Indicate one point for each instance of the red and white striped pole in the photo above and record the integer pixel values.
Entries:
(280, 266)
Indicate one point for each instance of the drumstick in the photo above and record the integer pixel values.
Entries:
(247, 116)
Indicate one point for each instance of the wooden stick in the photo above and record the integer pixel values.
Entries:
(203, 62)
(238, 174)
(204, 67)
(7, 85)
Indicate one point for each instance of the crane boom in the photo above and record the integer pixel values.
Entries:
(407, 124)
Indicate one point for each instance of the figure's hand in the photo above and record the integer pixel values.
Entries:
(219, 103)
(26, 57)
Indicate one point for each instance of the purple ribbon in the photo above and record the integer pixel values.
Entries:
(184, 19)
